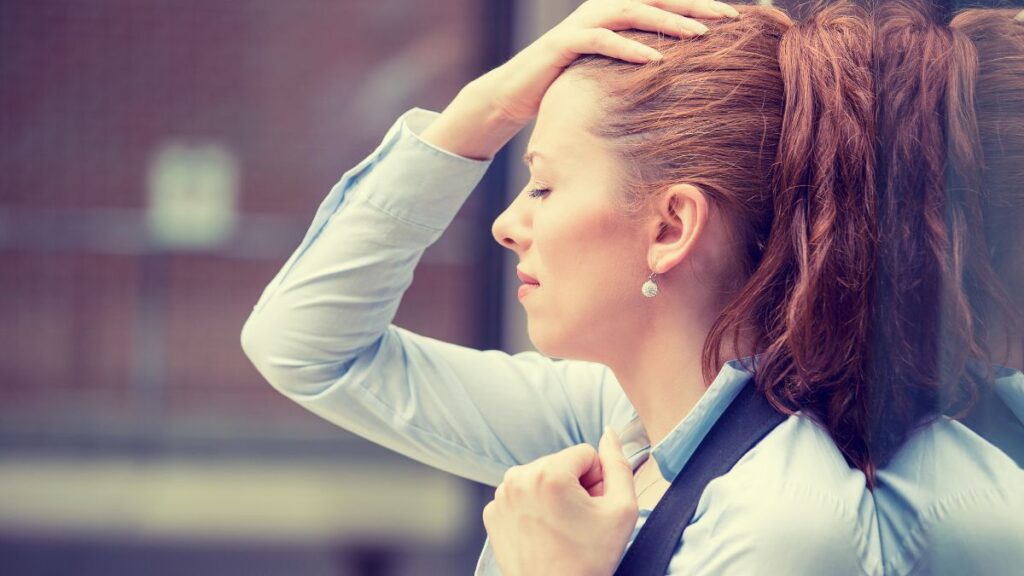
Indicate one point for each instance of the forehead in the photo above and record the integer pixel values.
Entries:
(561, 135)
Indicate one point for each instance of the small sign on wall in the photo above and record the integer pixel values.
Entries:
(192, 196)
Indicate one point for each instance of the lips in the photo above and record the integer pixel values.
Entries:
(526, 278)
(529, 283)
(525, 289)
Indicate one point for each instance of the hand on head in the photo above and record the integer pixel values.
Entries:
(493, 108)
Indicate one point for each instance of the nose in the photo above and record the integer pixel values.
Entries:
(511, 227)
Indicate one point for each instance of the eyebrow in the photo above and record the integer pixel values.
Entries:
(529, 156)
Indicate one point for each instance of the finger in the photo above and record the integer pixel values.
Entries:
(696, 8)
(488, 516)
(604, 41)
(592, 478)
(579, 461)
(644, 17)
(596, 490)
(512, 473)
(618, 474)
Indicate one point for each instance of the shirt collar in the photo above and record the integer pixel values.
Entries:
(1009, 384)
(676, 448)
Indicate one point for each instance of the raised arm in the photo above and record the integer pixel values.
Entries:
(321, 332)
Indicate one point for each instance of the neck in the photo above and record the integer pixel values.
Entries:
(661, 370)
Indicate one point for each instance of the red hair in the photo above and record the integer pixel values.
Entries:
(773, 122)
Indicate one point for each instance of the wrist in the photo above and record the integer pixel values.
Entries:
(472, 125)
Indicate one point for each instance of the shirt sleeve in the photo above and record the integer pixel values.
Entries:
(321, 331)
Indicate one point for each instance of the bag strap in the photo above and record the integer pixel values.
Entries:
(744, 423)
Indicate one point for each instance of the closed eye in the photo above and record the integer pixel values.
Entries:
(539, 192)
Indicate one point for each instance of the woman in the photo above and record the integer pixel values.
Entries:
(700, 222)
(949, 494)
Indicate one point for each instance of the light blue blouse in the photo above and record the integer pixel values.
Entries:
(321, 334)
(951, 503)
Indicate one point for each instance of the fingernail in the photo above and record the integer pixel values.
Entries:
(696, 27)
(723, 8)
(653, 55)
(612, 436)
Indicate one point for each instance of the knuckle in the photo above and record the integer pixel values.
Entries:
(601, 42)
(488, 514)
(512, 491)
(549, 480)
(544, 479)
(512, 486)
(566, 40)
(587, 39)
(550, 41)
(511, 474)
(588, 11)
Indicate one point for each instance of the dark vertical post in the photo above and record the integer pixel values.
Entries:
(498, 18)
(496, 28)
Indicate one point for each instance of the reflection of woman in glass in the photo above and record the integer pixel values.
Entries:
(705, 208)
(951, 98)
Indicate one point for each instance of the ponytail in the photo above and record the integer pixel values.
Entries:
(810, 294)
(774, 122)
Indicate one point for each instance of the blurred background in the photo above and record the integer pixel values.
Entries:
(159, 160)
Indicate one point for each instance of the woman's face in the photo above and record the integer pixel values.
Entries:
(572, 235)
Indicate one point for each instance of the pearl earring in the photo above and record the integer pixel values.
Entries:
(650, 289)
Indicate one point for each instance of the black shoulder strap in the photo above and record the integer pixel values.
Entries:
(743, 424)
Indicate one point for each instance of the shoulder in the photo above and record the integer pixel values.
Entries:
(792, 503)
(949, 498)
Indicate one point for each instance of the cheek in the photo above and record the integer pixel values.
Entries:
(566, 241)
(591, 288)
(589, 257)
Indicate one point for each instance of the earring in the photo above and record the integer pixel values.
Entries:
(650, 289)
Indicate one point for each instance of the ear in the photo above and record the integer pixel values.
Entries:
(679, 218)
